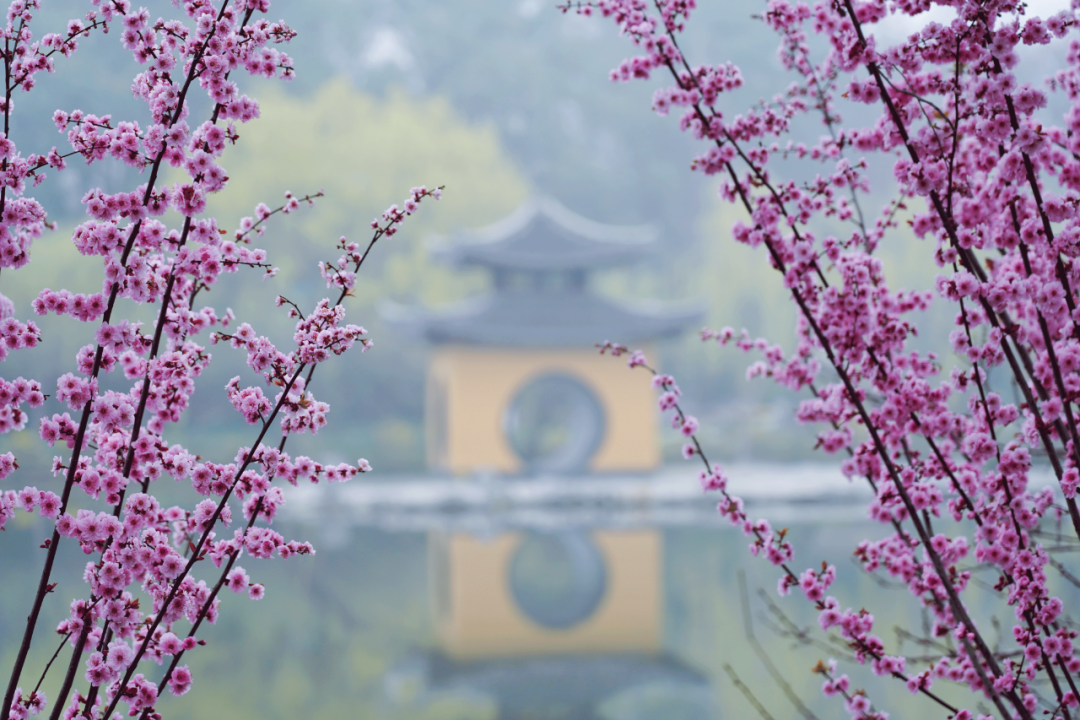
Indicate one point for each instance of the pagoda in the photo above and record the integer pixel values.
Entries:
(515, 384)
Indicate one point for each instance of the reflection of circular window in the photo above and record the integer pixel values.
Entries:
(554, 424)
(559, 579)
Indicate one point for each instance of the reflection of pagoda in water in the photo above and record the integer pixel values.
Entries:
(547, 624)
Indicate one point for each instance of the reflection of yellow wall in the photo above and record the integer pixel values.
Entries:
(469, 389)
(476, 615)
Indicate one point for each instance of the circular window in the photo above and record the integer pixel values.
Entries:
(554, 424)
(558, 579)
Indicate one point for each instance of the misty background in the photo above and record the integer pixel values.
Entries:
(498, 101)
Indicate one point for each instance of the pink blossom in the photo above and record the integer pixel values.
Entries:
(180, 680)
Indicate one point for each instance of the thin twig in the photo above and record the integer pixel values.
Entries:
(747, 693)
(778, 678)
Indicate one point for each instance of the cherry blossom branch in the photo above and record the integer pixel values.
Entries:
(858, 327)
(778, 549)
(24, 648)
(126, 267)
(392, 218)
(950, 226)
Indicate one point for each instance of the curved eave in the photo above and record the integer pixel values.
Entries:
(543, 319)
(544, 235)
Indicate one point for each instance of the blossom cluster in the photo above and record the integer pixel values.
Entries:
(989, 179)
(110, 417)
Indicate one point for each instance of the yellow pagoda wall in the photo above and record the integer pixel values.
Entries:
(470, 388)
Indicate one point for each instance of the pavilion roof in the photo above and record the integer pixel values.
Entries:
(544, 318)
(542, 234)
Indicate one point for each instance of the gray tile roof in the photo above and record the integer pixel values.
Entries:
(543, 241)
(544, 235)
(539, 318)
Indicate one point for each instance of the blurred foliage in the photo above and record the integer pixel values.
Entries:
(374, 152)
(366, 153)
